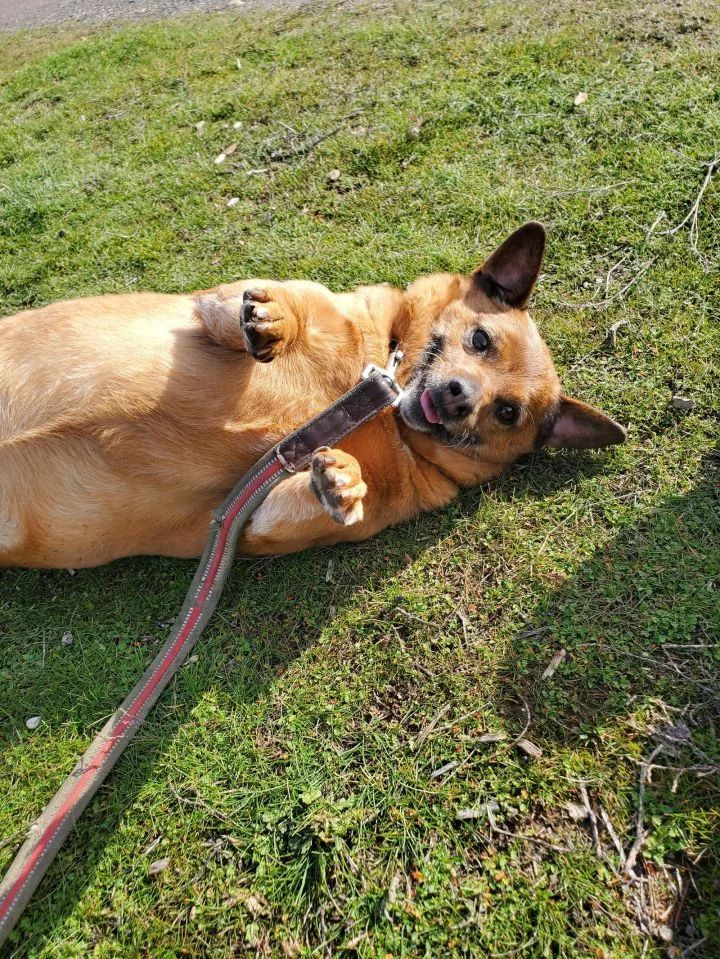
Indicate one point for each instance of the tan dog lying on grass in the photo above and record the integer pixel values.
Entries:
(124, 420)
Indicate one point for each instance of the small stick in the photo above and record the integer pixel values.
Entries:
(527, 723)
(607, 823)
(620, 295)
(631, 857)
(198, 803)
(535, 839)
(424, 733)
(694, 211)
(593, 820)
(693, 947)
(308, 145)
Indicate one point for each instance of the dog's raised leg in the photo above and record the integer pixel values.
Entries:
(265, 318)
(329, 504)
(270, 322)
(336, 480)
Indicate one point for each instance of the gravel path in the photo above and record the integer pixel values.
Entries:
(19, 14)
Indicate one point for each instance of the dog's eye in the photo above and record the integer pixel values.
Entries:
(480, 341)
(507, 413)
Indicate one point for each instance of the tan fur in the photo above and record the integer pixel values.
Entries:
(124, 420)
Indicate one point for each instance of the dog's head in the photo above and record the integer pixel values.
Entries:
(485, 381)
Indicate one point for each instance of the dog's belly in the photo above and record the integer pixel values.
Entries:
(122, 427)
(82, 480)
(63, 505)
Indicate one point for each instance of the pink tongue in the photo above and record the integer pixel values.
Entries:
(431, 414)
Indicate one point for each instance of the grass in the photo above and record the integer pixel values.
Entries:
(288, 772)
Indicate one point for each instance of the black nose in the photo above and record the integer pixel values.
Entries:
(456, 399)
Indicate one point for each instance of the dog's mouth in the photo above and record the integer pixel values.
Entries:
(428, 407)
(421, 411)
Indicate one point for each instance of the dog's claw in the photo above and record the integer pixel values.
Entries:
(262, 326)
(337, 482)
(260, 296)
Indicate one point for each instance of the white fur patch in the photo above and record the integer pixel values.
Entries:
(291, 502)
(10, 532)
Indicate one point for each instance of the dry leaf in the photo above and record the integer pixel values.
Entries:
(232, 901)
(554, 663)
(200, 127)
(530, 749)
(33, 722)
(290, 948)
(415, 128)
(158, 866)
(228, 151)
(256, 906)
(576, 812)
(580, 98)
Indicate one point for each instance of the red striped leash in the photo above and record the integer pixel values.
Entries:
(377, 390)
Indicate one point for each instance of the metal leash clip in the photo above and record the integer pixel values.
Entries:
(390, 373)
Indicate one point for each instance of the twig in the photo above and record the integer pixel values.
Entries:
(527, 723)
(278, 156)
(700, 769)
(693, 947)
(631, 857)
(593, 820)
(688, 646)
(694, 211)
(608, 300)
(535, 839)
(590, 189)
(611, 336)
(607, 822)
(425, 732)
(515, 951)
(198, 803)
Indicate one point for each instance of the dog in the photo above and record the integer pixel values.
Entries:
(125, 420)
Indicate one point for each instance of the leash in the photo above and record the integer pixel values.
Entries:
(376, 390)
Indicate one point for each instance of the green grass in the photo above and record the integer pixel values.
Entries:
(280, 773)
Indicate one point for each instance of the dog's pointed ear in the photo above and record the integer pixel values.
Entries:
(582, 427)
(509, 274)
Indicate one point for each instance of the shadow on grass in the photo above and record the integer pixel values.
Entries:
(647, 589)
(118, 616)
(640, 622)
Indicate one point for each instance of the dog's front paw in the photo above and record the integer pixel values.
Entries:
(264, 325)
(337, 482)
